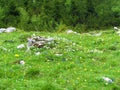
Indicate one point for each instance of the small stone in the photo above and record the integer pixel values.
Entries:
(10, 29)
(2, 30)
(49, 39)
(116, 28)
(107, 80)
(97, 34)
(37, 53)
(20, 46)
(71, 31)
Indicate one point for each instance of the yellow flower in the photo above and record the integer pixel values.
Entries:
(16, 55)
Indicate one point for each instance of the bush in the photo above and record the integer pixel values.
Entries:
(56, 15)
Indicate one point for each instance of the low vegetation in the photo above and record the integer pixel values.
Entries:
(72, 62)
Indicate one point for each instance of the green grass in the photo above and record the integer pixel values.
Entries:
(85, 60)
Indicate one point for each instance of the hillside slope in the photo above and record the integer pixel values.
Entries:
(71, 62)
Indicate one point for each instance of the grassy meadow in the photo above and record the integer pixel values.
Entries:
(71, 62)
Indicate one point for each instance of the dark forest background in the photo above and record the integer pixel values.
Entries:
(58, 15)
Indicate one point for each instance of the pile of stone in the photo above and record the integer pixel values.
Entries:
(38, 41)
(7, 30)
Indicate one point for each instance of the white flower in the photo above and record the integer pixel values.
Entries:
(33, 35)
(3, 48)
(58, 54)
(22, 62)
(74, 44)
(95, 51)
